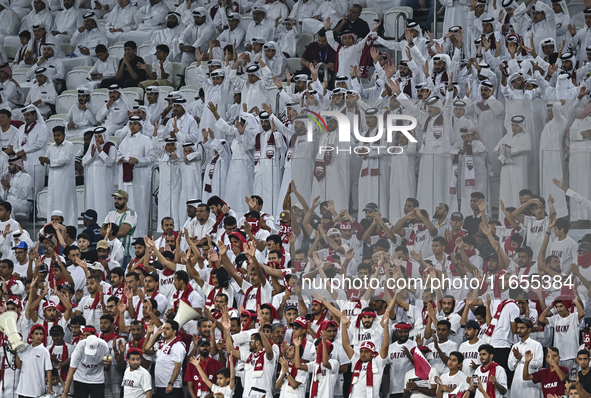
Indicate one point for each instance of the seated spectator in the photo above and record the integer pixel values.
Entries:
(128, 73)
(161, 74)
(105, 67)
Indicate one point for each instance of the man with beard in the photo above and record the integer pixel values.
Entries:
(114, 114)
(197, 35)
(440, 216)
(210, 366)
(169, 358)
(61, 191)
(169, 36)
(469, 348)
(516, 360)
(201, 225)
(167, 227)
(81, 115)
(182, 125)
(125, 218)
(337, 99)
(16, 186)
(318, 52)
(112, 376)
(88, 36)
(54, 66)
(137, 381)
(31, 141)
(220, 211)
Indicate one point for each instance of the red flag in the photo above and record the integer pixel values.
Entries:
(422, 367)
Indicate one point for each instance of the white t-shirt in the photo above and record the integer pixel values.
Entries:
(360, 388)
(503, 336)
(535, 232)
(566, 251)
(36, 363)
(411, 375)
(288, 392)
(457, 382)
(566, 334)
(326, 378)
(399, 365)
(92, 316)
(436, 361)
(500, 375)
(250, 300)
(375, 334)
(262, 380)
(227, 391)
(470, 352)
(165, 364)
(136, 383)
(165, 285)
(89, 369)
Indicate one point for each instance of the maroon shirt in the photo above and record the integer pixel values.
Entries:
(210, 369)
(551, 383)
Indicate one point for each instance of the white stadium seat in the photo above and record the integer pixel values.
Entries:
(116, 50)
(65, 101)
(76, 77)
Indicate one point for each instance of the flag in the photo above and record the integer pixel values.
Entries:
(422, 367)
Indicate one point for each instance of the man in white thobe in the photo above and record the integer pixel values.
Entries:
(30, 145)
(113, 114)
(268, 155)
(9, 20)
(16, 186)
(513, 150)
(39, 15)
(88, 36)
(197, 35)
(254, 89)
(61, 186)
(579, 163)
(123, 18)
(182, 124)
(54, 66)
(169, 36)
(551, 156)
(435, 171)
(135, 159)
(66, 22)
(81, 115)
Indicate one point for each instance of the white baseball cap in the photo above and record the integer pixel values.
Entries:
(91, 345)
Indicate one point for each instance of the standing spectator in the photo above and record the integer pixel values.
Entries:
(125, 218)
(35, 364)
(169, 359)
(16, 186)
(87, 368)
(61, 193)
(31, 141)
(137, 382)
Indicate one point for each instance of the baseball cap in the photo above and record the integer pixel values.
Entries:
(96, 266)
(50, 238)
(472, 324)
(301, 322)
(456, 216)
(584, 246)
(91, 345)
(68, 287)
(333, 231)
(90, 214)
(290, 307)
(203, 341)
(103, 244)
(43, 268)
(21, 245)
(56, 330)
(371, 206)
(285, 216)
(526, 321)
(121, 194)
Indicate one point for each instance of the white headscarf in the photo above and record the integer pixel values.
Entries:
(123, 97)
(31, 108)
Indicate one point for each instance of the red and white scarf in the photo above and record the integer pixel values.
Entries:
(492, 371)
(182, 295)
(491, 328)
(368, 376)
(208, 175)
(256, 360)
(167, 347)
(258, 294)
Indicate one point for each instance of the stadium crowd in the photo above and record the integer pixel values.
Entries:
(271, 269)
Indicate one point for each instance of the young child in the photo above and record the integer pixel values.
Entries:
(224, 386)
(83, 241)
(105, 68)
(161, 74)
(19, 60)
(58, 386)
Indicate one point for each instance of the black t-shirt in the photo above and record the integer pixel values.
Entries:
(90, 256)
(585, 381)
(93, 232)
(472, 224)
(141, 72)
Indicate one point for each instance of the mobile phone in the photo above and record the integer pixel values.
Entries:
(475, 379)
